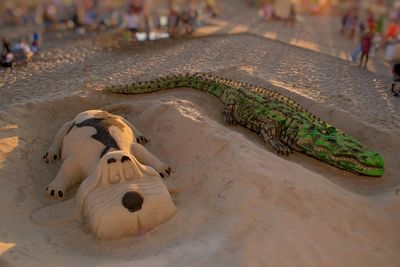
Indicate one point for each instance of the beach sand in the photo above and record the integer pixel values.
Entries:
(238, 203)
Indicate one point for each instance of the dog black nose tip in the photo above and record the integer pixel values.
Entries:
(132, 201)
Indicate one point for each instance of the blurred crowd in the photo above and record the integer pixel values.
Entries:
(97, 14)
(139, 19)
(373, 30)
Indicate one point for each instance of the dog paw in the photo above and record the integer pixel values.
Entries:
(54, 192)
(164, 171)
(51, 155)
(142, 140)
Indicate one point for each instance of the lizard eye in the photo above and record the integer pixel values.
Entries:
(331, 130)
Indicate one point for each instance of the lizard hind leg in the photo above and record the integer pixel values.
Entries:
(228, 114)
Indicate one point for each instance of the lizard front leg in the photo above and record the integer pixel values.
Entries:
(228, 114)
(272, 136)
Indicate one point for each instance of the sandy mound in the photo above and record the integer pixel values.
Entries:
(238, 203)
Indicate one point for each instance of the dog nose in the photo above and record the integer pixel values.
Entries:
(132, 201)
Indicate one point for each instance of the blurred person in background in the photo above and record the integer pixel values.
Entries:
(350, 21)
(389, 35)
(188, 18)
(22, 51)
(35, 44)
(211, 8)
(131, 21)
(291, 20)
(115, 18)
(344, 21)
(366, 44)
(396, 78)
(77, 17)
(371, 22)
(90, 16)
(266, 11)
(392, 31)
(380, 25)
(49, 16)
(173, 21)
(6, 56)
(361, 28)
(135, 20)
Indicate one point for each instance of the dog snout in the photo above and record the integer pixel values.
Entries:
(132, 201)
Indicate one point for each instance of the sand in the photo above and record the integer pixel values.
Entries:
(238, 203)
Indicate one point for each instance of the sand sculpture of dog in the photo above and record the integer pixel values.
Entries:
(81, 143)
(122, 193)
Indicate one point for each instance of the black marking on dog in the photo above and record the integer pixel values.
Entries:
(132, 201)
(125, 158)
(102, 123)
(111, 160)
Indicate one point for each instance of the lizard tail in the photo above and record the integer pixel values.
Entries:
(199, 81)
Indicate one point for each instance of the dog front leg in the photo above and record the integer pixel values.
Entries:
(146, 158)
(54, 152)
(69, 174)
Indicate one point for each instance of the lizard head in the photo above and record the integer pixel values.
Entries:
(328, 144)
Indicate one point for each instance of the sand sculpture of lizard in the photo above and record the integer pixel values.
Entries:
(278, 120)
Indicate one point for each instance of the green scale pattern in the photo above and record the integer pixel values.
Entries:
(278, 120)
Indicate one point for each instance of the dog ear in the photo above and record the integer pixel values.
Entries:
(91, 182)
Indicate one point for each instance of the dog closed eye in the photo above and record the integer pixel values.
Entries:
(125, 158)
(111, 160)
